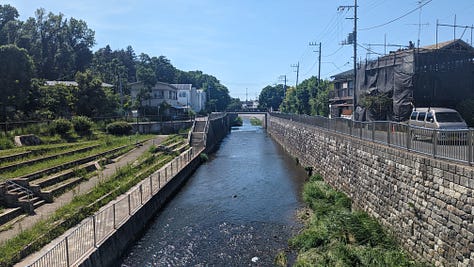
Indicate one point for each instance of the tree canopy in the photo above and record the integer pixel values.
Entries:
(271, 97)
(50, 46)
(310, 97)
(16, 71)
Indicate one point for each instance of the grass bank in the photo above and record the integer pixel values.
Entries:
(336, 235)
(255, 122)
(81, 207)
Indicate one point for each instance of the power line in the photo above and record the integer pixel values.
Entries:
(393, 20)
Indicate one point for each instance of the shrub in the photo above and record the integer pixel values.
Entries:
(119, 128)
(61, 126)
(6, 143)
(82, 125)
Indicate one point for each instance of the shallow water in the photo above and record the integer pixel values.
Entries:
(238, 209)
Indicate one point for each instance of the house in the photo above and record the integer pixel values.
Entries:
(190, 97)
(155, 96)
(439, 75)
(72, 83)
(250, 105)
(342, 97)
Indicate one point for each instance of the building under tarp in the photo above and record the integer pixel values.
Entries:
(439, 75)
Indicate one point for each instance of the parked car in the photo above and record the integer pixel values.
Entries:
(447, 122)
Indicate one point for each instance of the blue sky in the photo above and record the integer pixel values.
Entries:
(248, 44)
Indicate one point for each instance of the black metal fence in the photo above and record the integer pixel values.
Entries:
(457, 145)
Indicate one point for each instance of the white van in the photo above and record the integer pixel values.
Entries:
(437, 118)
(447, 122)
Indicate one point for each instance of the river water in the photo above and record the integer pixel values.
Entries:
(238, 209)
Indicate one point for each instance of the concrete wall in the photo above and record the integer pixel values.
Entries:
(167, 127)
(427, 203)
(219, 127)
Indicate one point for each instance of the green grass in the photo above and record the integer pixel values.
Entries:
(49, 150)
(255, 122)
(107, 142)
(80, 208)
(335, 235)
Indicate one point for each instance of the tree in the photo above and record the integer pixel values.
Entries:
(60, 47)
(271, 97)
(16, 71)
(92, 100)
(57, 101)
(234, 105)
(8, 23)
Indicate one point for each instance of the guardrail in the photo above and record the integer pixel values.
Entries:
(94, 230)
(457, 145)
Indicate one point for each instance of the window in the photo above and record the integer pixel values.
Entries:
(160, 94)
(448, 117)
(413, 116)
(421, 116)
(183, 94)
(429, 117)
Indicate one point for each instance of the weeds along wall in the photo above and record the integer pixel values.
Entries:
(426, 203)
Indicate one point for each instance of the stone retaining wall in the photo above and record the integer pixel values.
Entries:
(427, 203)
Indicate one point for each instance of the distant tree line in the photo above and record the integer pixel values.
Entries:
(51, 47)
(310, 97)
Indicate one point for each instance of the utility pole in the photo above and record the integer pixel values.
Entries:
(453, 26)
(284, 86)
(354, 42)
(319, 59)
(297, 66)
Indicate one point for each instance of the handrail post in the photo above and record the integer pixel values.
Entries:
(435, 143)
(373, 131)
(408, 137)
(67, 251)
(115, 223)
(141, 194)
(151, 185)
(389, 127)
(94, 230)
(470, 139)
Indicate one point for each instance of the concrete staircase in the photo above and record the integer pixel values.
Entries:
(16, 195)
(199, 132)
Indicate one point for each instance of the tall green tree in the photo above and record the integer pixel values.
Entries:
(16, 72)
(271, 97)
(92, 100)
(8, 24)
(310, 97)
(60, 47)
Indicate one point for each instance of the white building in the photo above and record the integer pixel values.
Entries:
(158, 94)
(190, 97)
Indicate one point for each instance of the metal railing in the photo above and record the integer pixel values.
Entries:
(457, 145)
(29, 194)
(93, 231)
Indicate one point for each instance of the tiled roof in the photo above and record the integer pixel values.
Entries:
(71, 83)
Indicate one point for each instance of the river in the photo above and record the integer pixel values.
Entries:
(238, 208)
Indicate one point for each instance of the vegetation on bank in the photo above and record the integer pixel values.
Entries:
(82, 206)
(255, 122)
(237, 122)
(336, 235)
